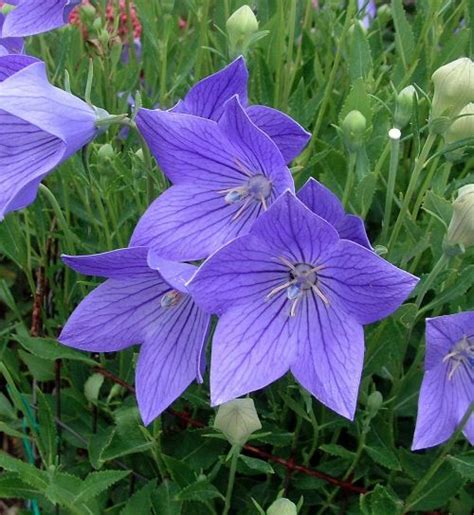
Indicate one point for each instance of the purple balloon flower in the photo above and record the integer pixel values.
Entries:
(369, 9)
(40, 127)
(143, 301)
(447, 390)
(225, 175)
(208, 96)
(324, 203)
(293, 296)
(35, 16)
(9, 45)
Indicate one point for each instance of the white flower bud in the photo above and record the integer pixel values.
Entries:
(462, 127)
(404, 107)
(237, 419)
(241, 26)
(453, 88)
(282, 507)
(461, 227)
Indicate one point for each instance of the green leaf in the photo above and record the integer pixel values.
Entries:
(383, 456)
(140, 502)
(28, 473)
(92, 387)
(359, 100)
(98, 444)
(360, 62)
(47, 429)
(438, 207)
(41, 369)
(463, 464)
(380, 501)
(97, 482)
(336, 450)
(260, 466)
(199, 491)
(404, 38)
(164, 501)
(13, 487)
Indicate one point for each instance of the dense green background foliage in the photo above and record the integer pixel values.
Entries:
(72, 438)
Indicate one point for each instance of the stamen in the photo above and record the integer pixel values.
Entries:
(280, 288)
(170, 299)
(461, 354)
(293, 307)
(243, 168)
(235, 196)
(320, 294)
(287, 263)
(242, 209)
(264, 203)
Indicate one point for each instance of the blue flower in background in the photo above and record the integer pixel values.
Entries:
(292, 295)
(143, 301)
(447, 390)
(30, 17)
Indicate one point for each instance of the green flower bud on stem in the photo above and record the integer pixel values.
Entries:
(461, 227)
(462, 127)
(237, 419)
(241, 26)
(106, 152)
(282, 507)
(374, 403)
(353, 128)
(404, 107)
(453, 89)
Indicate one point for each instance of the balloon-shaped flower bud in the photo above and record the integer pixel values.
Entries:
(374, 403)
(282, 507)
(237, 419)
(461, 227)
(462, 127)
(353, 128)
(241, 26)
(453, 89)
(404, 107)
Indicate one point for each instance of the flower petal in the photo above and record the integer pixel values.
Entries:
(27, 154)
(250, 349)
(288, 135)
(175, 274)
(321, 201)
(33, 17)
(117, 314)
(170, 358)
(330, 355)
(243, 271)
(116, 264)
(291, 230)
(363, 284)
(11, 64)
(352, 228)
(208, 96)
(188, 222)
(9, 45)
(190, 149)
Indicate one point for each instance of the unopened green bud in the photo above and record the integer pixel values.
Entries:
(97, 25)
(374, 403)
(282, 507)
(384, 14)
(237, 419)
(453, 89)
(88, 13)
(106, 152)
(353, 128)
(241, 26)
(461, 227)
(462, 127)
(404, 107)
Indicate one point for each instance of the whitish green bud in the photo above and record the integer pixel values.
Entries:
(384, 14)
(404, 107)
(237, 419)
(353, 128)
(88, 13)
(453, 88)
(241, 26)
(461, 227)
(374, 403)
(106, 152)
(282, 507)
(97, 25)
(462, 127)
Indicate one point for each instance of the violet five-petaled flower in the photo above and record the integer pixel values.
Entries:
(224, 174)
(143, 301)
(208, 97)
(324, 203)
(40, 127)
(447, 390)
(292, 295)
(31, 17)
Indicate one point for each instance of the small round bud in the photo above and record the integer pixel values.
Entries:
(404, 107)
(241, 26)
(97, 24)
(374, 402)
(282, 507)
(453, 88)
(237, 419)
(461, 227)
(353, 128)
(106, 152)
(384, 14)
(88, 13)
(462, 127)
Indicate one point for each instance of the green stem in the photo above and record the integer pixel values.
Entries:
(350, 178)
(330, 83)
(230, 484)
(392, 176)
(412, 498)
(428, 283)
(419, 165)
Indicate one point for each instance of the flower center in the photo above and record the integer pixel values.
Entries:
(170, 299)
(461, 355)
(302, 279)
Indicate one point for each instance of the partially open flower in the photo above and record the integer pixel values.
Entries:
(282, 507)
(461, 228)
(453, 88)
(237, 419)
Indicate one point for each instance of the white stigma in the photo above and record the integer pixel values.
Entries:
(461, 355)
